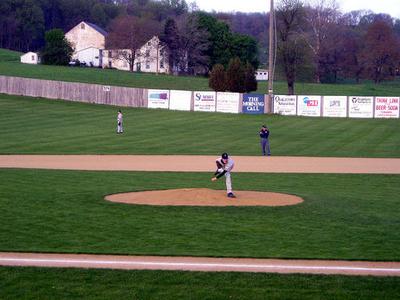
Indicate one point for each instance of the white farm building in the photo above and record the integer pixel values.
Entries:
(30, 58)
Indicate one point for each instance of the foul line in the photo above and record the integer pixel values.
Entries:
(208, 265)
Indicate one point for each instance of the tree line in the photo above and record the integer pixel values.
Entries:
(319, 43)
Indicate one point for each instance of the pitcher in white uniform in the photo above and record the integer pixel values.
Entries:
(224, 167)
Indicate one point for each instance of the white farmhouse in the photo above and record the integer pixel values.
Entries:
(88, 41)
(151, 57)
(30, 58)
(91, 56)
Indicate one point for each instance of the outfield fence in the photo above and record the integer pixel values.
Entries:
(206, 101)
(72, 91)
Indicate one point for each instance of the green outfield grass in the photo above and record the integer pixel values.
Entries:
(16, 283)
(31, 125)
(10, 66)
(343, 216)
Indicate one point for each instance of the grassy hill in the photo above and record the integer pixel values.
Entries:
(10, 66)
(8, 55)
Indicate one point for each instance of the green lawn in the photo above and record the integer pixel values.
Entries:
(31, 125)
(10, 66)
(16, 283)
(343, 216)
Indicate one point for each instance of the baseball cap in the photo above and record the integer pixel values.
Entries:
(224, 155)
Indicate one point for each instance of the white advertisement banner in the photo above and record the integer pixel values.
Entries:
(180, 100)
(204, 101)
(361, 107)
(309, 106)
(285, 105)
(228, 102)
(334, 106)
(158, 99)
(387, 107)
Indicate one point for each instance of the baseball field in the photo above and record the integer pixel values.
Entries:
(343, 216)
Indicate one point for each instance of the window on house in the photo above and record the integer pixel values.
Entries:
(83, 26)
(162, 63)
(147, 53)
(109, 54)
(148, 43)
(33, 57)
(147, 64)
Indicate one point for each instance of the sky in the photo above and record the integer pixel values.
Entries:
(391, 7)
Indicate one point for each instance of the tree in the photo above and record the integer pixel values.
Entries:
(218, 79)
(31, 25)
(58, 50)
(245, 47)
(321, 18)
(170, 37)
(292, 48)
(381, 52)
(98, 15)
(194, 43)
(225, 45)
(129, 34)
(235, 76)
(396, 27)
(250, 81)
(349, 48)
(219, 38)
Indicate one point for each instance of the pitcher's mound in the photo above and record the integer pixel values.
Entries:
(204, 197)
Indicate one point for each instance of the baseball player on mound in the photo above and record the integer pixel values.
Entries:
(224, 167)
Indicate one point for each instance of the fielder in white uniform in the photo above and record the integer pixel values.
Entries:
(224, 167)
(120, 129)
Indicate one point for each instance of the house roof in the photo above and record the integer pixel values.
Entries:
(29, 53)
(97, 28)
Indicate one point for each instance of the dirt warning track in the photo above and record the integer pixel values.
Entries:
(190, 163)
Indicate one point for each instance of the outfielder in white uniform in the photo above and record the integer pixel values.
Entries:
(120, 129)
(224, 167)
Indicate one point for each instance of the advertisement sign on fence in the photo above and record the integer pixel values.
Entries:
(228, 102)
(387, 107)
(335, 106)
(158, 99)
(253, 104)
(180, 100)
(309, 106)
(204, 101)
(285, 105)
(361, 107)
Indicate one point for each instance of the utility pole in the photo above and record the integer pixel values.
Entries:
(271, 53)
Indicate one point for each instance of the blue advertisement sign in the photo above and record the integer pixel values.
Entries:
(253, 104)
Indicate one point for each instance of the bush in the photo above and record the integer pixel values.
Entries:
(250, 81)
(58, 50)
(217, 79)
(235, 76)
